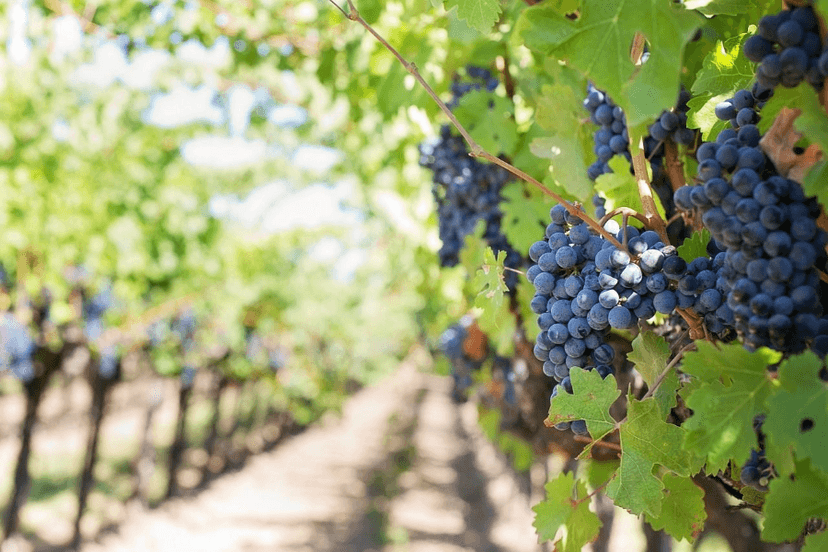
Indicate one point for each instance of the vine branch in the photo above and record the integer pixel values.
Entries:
(673, 165)
(605, 444)
(476, 149)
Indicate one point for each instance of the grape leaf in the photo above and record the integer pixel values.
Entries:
(647, 440)
(526, 291)
(782, 97)
(797, 417)
(488, 118)
(751, 9)
(735, 385)
(495, 318)
(598, 44)
(695, 246)
(792, 501)
(634, 487)
(598, 473)
(620, 189)
(816, 543)
(590, 402)
(702, 115)
(479, 14)
(813, 124)
(560, 112)
(716, 7)
(650, 355)
(566, 506)
(525, 215)
(682, 510)
(724, 71)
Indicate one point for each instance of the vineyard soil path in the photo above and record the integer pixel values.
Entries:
(339, 486)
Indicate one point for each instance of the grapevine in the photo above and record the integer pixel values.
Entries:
(745, 289)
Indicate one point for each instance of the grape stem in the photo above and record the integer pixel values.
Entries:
(476, 150)
(627, 212)
(651, 391)
(639, 162)
(674, 166)
(696, 323)
(594, 492)
(605, 444)
(651, 217)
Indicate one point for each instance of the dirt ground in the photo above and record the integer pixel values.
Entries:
(403, 469)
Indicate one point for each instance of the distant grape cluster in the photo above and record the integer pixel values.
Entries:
(481, 79)
(16, 348)
(788, 49)
(462, 366)
(757, 471)
(466, 191)
(767, 229)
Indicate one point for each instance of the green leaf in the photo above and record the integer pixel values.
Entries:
(813, 124)
(695, 246)
(598, 44)
(702, 115)
(525, 293)
(733, 389)
(495, 318)
(650, 355)
(647, 440)
(717, 7)
(566, 508)
(782, 97)
(598, 473)
(816, 543)
(489, 119)
(479, 14)
(569, 146)
(682, 510)
(635, 488)
(792, 501)
(620, 189)
(590, 401)
(797, 418)
(725, 70)
(525, 215)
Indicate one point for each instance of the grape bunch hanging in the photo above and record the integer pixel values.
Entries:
(467, 191)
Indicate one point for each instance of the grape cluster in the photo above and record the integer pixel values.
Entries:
(502, 370)
(480, 78)
(16, 348)
(466, 191)
(766, 228)
(462, 366)
(110, 363)
(184, 327)
(612, 137)
(93, 311)
(788, 49)
(585, 285)
(742, 110)
(757, 471)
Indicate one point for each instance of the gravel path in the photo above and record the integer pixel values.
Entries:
(338, 487)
